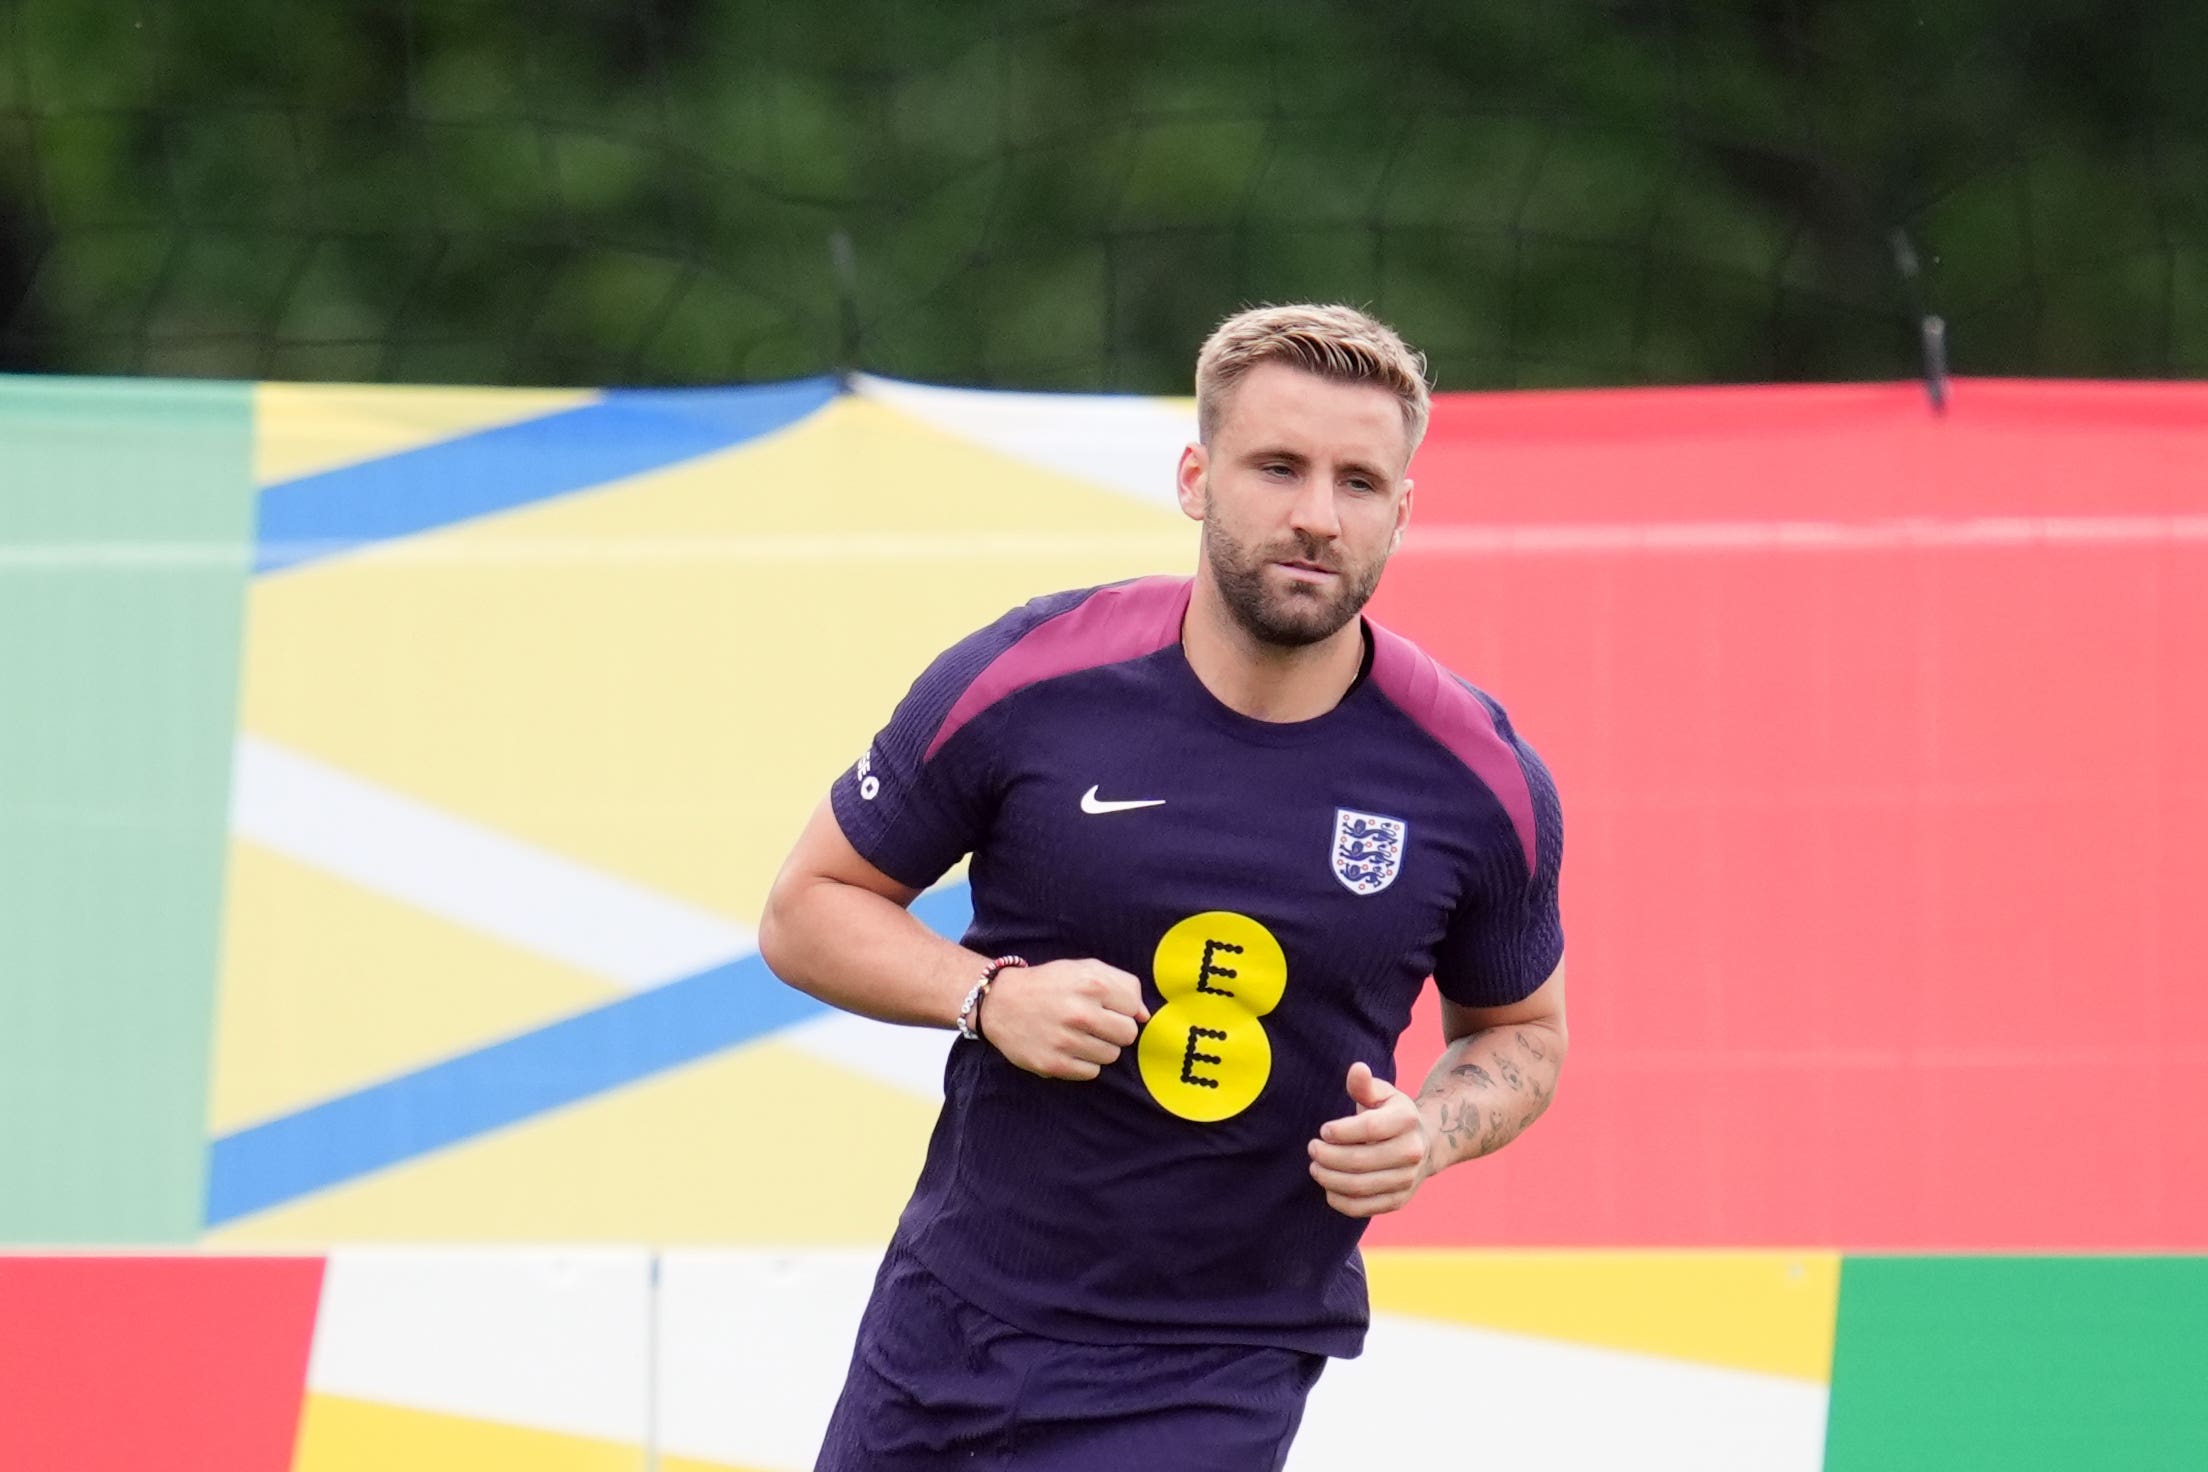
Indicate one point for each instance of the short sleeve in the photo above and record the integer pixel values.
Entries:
(910, 812)
(1507, 935)
(925, 793)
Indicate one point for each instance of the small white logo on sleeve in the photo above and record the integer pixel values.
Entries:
(1368, 850)
(869, 784)
(1091, 803)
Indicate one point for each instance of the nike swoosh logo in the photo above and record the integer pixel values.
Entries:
(1091, 803)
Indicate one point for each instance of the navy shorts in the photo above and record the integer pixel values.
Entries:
(935, 1382)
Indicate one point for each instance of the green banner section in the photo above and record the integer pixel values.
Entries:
(2020, 1364)
(126, 525)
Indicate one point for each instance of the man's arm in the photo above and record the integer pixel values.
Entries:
(1496, 1077)
(836, 928)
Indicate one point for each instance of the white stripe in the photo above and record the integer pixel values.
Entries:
(1568, 1405)
(1533, 539)
(1520, 539)
(604, 551)
(122, 556)
(401, 847)
(555, 1339)
(756, 1344)
(907, 1058)
(1121, 442)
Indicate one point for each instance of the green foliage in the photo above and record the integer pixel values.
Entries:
(1068, 194)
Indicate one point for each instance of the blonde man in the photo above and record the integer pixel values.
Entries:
(1223, 829)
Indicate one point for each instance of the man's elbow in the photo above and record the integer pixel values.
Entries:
(776, 927)
(1558, 1042)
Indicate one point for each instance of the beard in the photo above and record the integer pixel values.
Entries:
(1300, 614)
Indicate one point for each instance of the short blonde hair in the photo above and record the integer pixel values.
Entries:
(1335, 342)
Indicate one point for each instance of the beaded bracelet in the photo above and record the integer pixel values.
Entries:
(969, 1012)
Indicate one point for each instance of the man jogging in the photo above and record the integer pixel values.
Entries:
(1221, 829)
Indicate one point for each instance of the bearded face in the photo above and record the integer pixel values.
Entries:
(1302, 493)
(1273, 606)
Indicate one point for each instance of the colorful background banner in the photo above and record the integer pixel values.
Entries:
(394, 777)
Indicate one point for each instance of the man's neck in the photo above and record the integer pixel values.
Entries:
(1265, 681)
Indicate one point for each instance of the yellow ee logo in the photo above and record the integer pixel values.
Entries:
(1204, 1055)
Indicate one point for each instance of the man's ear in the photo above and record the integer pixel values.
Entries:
(1189, 480)
(1402, 518)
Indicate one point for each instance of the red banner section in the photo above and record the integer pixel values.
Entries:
(123, 1364)
(1883, 743)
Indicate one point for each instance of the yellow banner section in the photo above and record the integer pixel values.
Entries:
(763, 1144)
(1771, 1312)
(308, 428)
(339, 1434)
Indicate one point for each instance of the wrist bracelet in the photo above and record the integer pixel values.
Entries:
(969, 1012)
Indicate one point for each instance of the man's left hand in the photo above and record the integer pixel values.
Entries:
(1371, 1161)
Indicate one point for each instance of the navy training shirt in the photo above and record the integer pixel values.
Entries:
(1282, 890)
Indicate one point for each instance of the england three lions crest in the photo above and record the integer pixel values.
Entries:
(1368, 850)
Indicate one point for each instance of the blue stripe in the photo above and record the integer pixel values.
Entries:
(627, 432)
(505, 1083)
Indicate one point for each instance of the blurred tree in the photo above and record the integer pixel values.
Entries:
(1066, 193)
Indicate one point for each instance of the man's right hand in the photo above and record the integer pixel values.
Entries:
(1063, 1019)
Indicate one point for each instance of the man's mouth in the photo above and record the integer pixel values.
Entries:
(1304, 571)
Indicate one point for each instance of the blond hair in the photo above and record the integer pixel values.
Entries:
(1337, 343)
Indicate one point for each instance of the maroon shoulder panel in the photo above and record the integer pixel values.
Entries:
(1456, 718)
(1115, 624)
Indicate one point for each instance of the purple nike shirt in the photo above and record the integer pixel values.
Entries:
(1282, 890)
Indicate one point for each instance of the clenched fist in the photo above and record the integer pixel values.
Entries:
(1372, 1161)
(1063, 1019)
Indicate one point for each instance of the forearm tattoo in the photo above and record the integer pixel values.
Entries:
(1489, 1086)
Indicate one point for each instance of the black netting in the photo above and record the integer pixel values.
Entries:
(1067, 195)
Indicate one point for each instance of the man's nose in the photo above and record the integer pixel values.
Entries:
(1313, 512)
